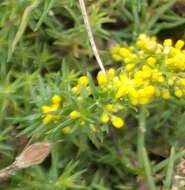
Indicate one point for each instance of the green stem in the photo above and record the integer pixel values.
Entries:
(148, 172)
(141, 134)
(142, 154)
(169, 172)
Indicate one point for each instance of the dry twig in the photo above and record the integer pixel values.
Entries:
(90, 35)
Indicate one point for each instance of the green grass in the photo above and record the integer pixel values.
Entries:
(44, 48)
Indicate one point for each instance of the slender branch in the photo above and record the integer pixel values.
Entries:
(90, 35)
(141, 135)
(144, 161)
(170, 170)
(148, 171)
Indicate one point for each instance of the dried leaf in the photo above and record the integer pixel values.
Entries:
(34, 154)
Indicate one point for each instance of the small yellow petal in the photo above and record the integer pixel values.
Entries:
(178, 93)
(47, 119)
(74, 114)
(102, 78)
(66, 130)
(117, 122)
(56, 99)
(45, 109)
(111, 73)
(179, 44)
(151, 61)
(83, 80)
(104, 118)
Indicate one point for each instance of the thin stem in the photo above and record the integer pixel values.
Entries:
(142, 154)
(5, 173)
(165, 162)
(148, 172)
(169, 172)
(141, 134)
(90, 35)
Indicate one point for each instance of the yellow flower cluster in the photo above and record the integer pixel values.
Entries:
(83, 82)
(47, 111)
(117, 122)
(150, 70)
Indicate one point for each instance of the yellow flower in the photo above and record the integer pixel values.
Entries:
(74, 114)
(165, 94)
(51, 108)
(124, 52)
(144, 100)
(151, 61)
(138, 74)
(111, 73)
(178, 93)
(149, 90)
(83, 80)
(45, 109)
(76, 89)
(47, 119)
(182, 81)
(146, 74)
(109, 107)
(121, 91)
(167, 42)
(129, 67)
(179, 44)
(56, 99)
(115, 49)
(54, 107)
(104, 118)
(66, 130)
(116, 57)
(133, 92)
(102, 78)
(117, 122)
(138, 81)
(161, 79)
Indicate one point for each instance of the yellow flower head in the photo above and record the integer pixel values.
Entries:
(179, 44)
(104, 118)
(117, 122)
(143, 100)
(178, 93)
(111, 73)
(151, 61)
(121, 92)
(83, 80)
(182, 81)
(129, 67)
(56, 99)
(51, 108)
(47, 118)
(102, 78)
(165, 94)
(76, 89)
(109, 107)
(45, 109)
(124, 52)
(74, 114)
(66, 130)
(167, 43)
